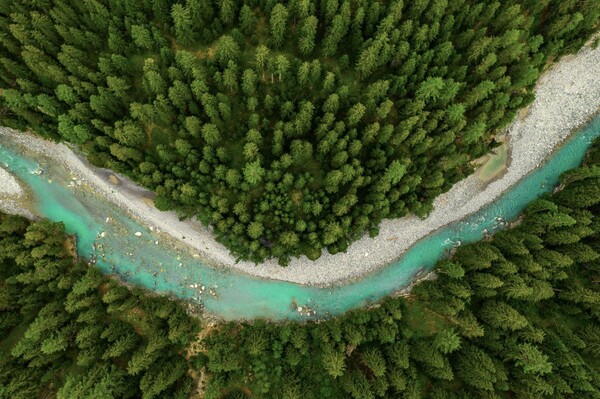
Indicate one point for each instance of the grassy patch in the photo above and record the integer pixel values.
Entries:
(421, 320)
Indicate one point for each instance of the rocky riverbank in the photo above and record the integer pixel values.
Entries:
(12, 196)
(9, 186)
(566, 97)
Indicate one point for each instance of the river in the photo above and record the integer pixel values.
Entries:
(107, 234)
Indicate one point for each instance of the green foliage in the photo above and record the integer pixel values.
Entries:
(516, 316)
(67, 331)
(366, 109)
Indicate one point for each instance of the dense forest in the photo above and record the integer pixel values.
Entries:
(516, 316)
(288, 126)
(69, 332)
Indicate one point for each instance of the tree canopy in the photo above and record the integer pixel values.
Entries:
(313, 119)
(67, 331)
(513, 316)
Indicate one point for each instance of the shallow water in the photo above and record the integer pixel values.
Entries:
(495, 164)
(231, 294)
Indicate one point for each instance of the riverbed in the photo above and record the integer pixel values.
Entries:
(566, 97)
(111, 239)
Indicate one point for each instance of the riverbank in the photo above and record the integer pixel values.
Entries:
(12, 196)
(567, 96)
(9, 186)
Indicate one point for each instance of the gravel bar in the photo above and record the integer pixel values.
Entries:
(9, 186)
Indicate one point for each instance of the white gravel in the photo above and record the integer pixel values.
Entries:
(12, 195)
(9, 186)
(14, 207)
(566, 97)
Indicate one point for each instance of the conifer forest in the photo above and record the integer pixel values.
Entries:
(515, 316)
(291, 129)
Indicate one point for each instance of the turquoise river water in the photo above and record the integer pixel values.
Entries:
(167, 268)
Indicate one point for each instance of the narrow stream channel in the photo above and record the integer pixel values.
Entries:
(107, 234)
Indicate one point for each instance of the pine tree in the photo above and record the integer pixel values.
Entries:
(502, 316)
(532, 360)
(334, 363)
(282, 66)
(227, 50)
(182, 21)
(249, 80)
(308, 32)
(278, 22)
(375, 361)
(476, 368)
(262, 53)
(247, 19)
(254, 172)
(141, 37)
(227, 12)
(355, 114)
